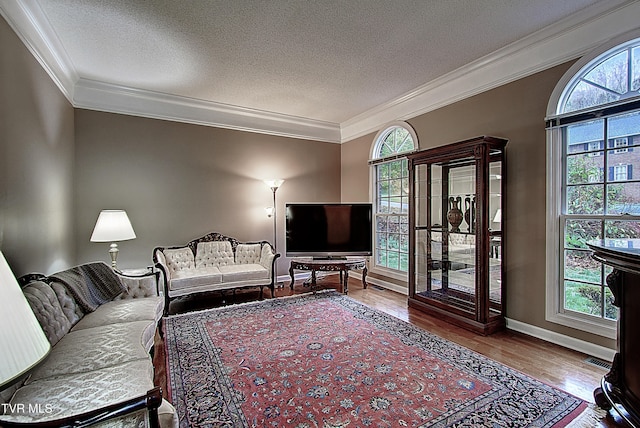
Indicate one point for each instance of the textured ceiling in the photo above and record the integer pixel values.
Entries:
(327, 60)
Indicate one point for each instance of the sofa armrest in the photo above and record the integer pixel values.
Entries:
(267, 256)
(140, 285)
(160, 262)
(150, 401)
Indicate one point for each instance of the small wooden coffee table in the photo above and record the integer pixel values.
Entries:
(343, 265)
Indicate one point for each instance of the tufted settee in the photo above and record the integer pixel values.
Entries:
(101, 327)
(215, 262)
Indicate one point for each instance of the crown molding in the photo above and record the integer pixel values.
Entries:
(34, 30)
(556, 44)
(93, 95)
(31, 25)
(544, 49)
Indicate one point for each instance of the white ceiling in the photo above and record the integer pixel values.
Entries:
(323, 69)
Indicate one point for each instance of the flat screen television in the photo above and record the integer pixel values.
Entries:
(328, 230)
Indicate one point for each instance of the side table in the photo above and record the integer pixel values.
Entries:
(329, 265)
(620, 388)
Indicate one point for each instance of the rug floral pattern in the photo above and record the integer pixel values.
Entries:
(326, 360)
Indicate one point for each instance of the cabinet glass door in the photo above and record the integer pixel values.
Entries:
(495, 238)
(445, 235)
(456, 239)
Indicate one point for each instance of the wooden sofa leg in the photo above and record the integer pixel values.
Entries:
(167, 300)
(161, 328)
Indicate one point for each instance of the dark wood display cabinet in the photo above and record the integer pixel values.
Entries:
(456, 236)
(620, 388)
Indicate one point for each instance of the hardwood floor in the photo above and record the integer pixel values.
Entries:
(557, 366)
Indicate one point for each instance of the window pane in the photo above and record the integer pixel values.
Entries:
(622, 229)
(381, 241)
(587, 199)
(393, 259)
(394, 224)
(585, 168)
(394, 241)
(611, 73)
(579, 232)
(404, 205)
(580, 266)
(383, 171)
(381, 258)
(395, 169)
(383, 189)
(623, 198)
(624, 126)
(583, 298)
(381, 224)
(586, 95)
(404, 225)
(404, 262)
(386, 150)
(395, 188)
(383, 205)
(610, 311)
(635, 69)
(586, 136)
(404, 243)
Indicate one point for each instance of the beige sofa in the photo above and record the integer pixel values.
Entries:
(101, 327)
(215, 262)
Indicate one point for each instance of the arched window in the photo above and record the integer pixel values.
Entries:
(593, 183)
(390, 193)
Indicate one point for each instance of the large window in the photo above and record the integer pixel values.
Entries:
(594, 184)
(391, 197)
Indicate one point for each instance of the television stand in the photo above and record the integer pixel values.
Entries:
(341, 265)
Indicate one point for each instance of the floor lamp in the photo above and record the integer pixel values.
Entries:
(274, 184)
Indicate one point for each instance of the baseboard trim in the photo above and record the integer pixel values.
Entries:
(547, 335)
(381, 283)
(563, 340)
(285, 280)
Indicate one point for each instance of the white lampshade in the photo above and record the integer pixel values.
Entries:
(23, 344)
(112, 226)
(274, 183)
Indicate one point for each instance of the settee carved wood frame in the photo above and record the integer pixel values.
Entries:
(209, 237)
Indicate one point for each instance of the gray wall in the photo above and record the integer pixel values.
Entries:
(515, 111)
(179, 181)
(36, 163)
(59, 167)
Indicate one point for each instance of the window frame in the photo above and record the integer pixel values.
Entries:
(556, 184)
(375, 161)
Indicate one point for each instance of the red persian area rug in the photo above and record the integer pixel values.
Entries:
(325, 360)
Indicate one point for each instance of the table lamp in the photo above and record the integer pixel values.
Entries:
(22, 341)
(112, 226)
